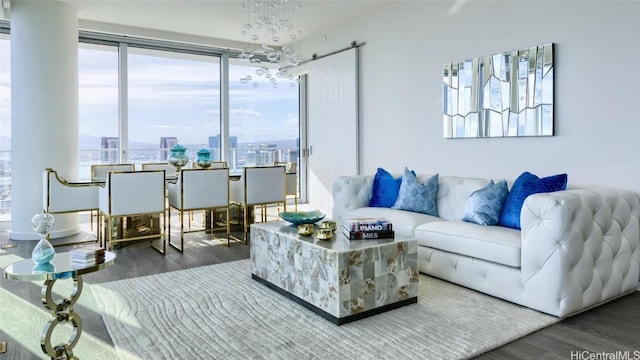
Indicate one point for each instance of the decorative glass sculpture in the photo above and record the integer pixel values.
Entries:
(204, 158)
(302, 217)
(44, 252)
(178, 157)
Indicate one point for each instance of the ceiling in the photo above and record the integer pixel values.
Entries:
(212, 18)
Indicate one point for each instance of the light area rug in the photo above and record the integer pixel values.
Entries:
(219, 312)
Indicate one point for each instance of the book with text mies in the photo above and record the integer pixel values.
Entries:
(369, 235)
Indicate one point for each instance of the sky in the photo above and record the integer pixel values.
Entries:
(170, 95)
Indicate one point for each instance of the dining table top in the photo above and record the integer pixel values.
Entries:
(172, 178)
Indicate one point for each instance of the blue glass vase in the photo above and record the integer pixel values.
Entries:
(204, 158)
(178, 157)
(43, 252)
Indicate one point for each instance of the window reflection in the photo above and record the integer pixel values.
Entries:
(5, 128)
(173, 97)
(98, 106)
(264, 124)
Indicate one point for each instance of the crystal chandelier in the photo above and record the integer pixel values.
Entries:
(271, 22)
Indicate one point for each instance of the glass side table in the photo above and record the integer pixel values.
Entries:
(61, 309)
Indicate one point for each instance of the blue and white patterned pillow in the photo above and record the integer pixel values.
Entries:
(417, 197)
(485, 204)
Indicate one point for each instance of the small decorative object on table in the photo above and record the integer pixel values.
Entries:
(44, 252)
(305, 229)
(204, 158)
(325, 233)
(178, 157)
(302, 217)
(328, 224)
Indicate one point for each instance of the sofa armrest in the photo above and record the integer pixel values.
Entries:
(350, 192)
(580, 247)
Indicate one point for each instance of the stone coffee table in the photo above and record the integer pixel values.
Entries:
(339, 279)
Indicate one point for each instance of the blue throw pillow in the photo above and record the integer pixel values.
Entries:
(417, 197)
(527, 184)
(485, 204)
(385, 189)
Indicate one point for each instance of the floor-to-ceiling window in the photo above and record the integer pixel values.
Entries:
(174, 93)
(5, 128)
(264, 124)
(172, 97)
(98, 106)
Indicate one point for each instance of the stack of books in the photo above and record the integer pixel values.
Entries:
(368, 229)
(87, 256)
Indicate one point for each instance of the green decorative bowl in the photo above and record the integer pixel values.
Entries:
(302, 217)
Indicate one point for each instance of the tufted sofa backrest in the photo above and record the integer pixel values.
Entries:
(352, 192)
(453, 192)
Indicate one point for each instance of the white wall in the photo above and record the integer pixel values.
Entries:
(597, 79)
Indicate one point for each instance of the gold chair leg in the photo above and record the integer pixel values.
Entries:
(110, 234)
(245, 217)
(99, 229)
(244, 224)
(163, 234)
(169, 225)
(181, 220)
(182, 231)
(228, 226)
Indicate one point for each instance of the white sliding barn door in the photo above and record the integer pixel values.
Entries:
(332, 131)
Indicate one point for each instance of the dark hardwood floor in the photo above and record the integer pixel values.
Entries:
(613, 327)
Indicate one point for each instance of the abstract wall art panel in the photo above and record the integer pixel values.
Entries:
(502, 95)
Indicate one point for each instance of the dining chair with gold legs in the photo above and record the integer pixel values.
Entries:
(132, 204)
(99, 175)
(168, 168)
(291, 180)
(214, 165)
(199, 189)
(258, 186)
(61, 197)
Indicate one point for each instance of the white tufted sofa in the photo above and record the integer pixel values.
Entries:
(577, 249)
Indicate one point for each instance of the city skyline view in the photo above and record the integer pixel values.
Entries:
(169, 95)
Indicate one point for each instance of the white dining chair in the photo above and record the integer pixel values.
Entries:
(130, 195)
(199, 189)
(99, 171)
(99, 174)
(60, 196)
(214, 165)
(291, 180)
(169, 169)
(257, 186)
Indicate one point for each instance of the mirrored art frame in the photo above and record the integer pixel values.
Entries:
(507, 94)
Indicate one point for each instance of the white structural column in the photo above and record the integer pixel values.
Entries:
(44, 107)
